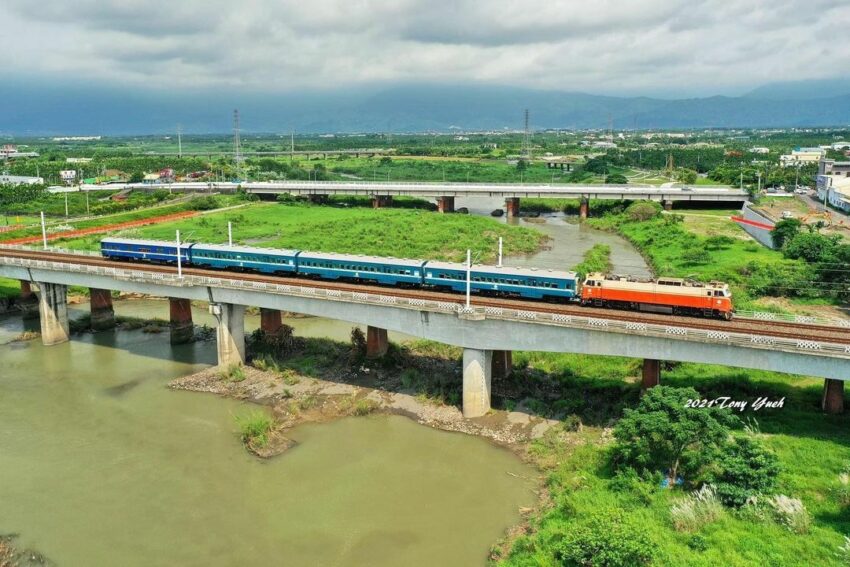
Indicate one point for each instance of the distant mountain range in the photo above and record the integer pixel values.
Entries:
(30, 108)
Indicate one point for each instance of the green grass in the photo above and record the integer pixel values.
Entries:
(9, 288)
(254, 427)
(155, 211)
(813, 449)
(596, 259)
(384, 232)
(672, 250)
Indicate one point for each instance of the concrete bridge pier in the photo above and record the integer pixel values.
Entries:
(102, 312)
(381, 201)
(651, 373)
(271, 320)
(182, 328)
(53, 312)
(230, 332)
(28, 301)
(318, 198)
(477, 380)
(446, 204)
(667, 204)
(503, 364)
(584, 208)
(512, 207)
(833, 396)
(377, 343)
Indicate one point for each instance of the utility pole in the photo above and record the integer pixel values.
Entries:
(500, 251)
(66, 204)
(291, 145)
(179, 141)
(237, 145)
(468, 278)
(179, 263)
(526, 140)
(43, 232)
(230, 234)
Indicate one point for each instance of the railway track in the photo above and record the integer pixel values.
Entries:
(780, 329)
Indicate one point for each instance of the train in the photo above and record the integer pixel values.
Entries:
(663, 295)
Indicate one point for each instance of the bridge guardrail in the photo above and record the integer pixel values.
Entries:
(475, 312)
(745, 314)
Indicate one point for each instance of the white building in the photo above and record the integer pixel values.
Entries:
(801, 156)
(6, 179)
(759, 150)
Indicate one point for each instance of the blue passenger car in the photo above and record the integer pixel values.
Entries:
(268, 260)
(162, 251)
(522, 282)
(391, 271)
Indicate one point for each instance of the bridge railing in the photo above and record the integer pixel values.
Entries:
(744, 314)
(476, 312)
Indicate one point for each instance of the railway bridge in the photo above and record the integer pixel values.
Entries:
(382, 192)
(487, 331)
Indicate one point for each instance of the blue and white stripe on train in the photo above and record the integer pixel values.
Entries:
(521, 282)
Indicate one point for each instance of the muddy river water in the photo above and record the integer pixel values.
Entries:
(101, 464)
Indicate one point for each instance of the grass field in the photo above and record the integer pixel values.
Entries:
(385, 232)
(813, 449)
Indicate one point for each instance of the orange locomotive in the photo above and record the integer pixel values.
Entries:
(664, 295)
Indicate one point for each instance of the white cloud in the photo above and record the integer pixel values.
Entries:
(611, 46)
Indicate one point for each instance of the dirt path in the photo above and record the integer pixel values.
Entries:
(103, 228)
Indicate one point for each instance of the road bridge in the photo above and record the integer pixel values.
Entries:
(487, 331)
(382, 192)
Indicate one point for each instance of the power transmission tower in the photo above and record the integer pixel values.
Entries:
(526, 139)
(179, 141)
(237, 144)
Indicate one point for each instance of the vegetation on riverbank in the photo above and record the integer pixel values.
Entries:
(751, 270)
(596, 259)
(812, 451)
(400, 233)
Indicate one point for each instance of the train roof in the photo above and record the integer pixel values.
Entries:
(144, 242)
(505, 270)
(245, 249)
(361, 258)
(675, 282)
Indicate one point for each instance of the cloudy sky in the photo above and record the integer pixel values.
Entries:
(656, 47)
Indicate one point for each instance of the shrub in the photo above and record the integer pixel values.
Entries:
(842, 493)
(697, 509)
(234, 373)
(206, 203)
(605, 539)
(358, 345)
(696, 256)
(791, 513)
(664, 435)
(255, 427)
(643, 210)
(844, 552)
(616, 179)
(365, 406)
(719, 242)
(744, 468)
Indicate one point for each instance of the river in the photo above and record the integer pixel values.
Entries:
(101, 464)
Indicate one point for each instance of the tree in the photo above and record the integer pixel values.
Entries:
(744, 468)
(598, 165)
(643, 210)
(616, 179)
(663, 434)
(137, 177)
(811, 247)
(686, 175)
(521, 165)
(784, 231)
